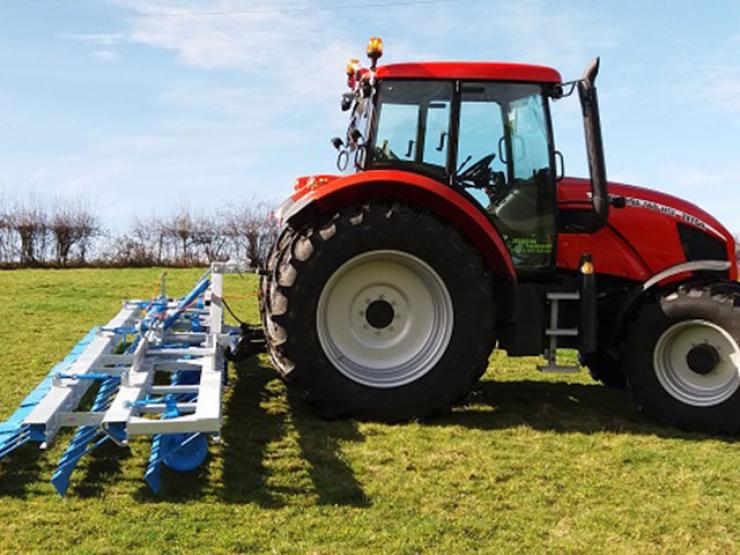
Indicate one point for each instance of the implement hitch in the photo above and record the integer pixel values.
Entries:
(251, 342)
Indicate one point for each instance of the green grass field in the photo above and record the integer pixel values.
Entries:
(529, 463)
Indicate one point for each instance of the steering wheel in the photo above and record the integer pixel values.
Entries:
(479, 172)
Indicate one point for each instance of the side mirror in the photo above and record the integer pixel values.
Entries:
(347, 99)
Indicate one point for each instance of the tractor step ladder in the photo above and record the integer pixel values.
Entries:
(554, 331)
(156, 369)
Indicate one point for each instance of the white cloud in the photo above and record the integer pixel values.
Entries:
(97, 39)
(105, 55)
(255, 41)
(104, 45)
(706, 79)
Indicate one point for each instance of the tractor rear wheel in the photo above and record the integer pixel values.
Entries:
(682, 358)
(380, 311)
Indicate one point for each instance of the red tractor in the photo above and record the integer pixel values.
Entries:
(453, 231)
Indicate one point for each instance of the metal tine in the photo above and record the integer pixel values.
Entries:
(14, 441)
(153, 474)
(78, 447)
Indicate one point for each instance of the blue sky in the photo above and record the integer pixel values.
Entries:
(143, 105)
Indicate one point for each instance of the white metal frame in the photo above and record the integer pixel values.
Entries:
(127, 416)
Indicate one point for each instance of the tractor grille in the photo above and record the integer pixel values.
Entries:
(698, 245)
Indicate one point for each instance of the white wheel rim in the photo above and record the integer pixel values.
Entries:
(405, 332)
(688, 386)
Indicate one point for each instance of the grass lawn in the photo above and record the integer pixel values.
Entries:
(529, 463)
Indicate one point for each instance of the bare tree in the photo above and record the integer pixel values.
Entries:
(145, 242)
(6, 232)
(29, 222)
(210, 237)
(61, 226)
(267, 239)
(86, 228)
(179, 228)
(251, 230)
(72, 224)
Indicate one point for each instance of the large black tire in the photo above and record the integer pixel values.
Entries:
(717, 304)
(306, 257)
(605, 368)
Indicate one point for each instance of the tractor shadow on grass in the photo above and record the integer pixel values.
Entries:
(558, 407)
(101, 470)
(19, 470)
(176, 486)
(276, 452)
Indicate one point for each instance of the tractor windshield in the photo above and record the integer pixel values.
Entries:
(413, 124)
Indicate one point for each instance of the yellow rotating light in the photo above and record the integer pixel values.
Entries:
(353, 66)
(374, 48)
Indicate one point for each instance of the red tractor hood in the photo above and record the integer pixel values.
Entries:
(641, 238)
(576, 190)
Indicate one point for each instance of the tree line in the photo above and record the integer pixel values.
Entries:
(71, 234)
(68, 233)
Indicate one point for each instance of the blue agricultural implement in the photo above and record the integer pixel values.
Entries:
(156, 369)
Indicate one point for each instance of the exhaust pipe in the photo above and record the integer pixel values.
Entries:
(595, 149)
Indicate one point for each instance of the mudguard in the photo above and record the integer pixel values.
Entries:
(674, 274)
(323, 194)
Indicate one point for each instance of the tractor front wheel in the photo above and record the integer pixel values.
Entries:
(682, 358)
(380, 311)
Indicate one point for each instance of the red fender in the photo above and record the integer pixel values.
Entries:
(326, 193)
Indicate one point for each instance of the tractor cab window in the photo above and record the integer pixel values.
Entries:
(413, 125)
(503, 161)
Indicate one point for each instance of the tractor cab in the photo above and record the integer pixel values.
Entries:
(484, 129)
(495, 146)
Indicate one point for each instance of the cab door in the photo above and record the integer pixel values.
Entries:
(504, 161)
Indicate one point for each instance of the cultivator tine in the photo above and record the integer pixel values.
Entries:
(12, 441)
(153, 475)
(79, 446)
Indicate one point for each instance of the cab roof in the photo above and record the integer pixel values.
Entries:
(485, 71)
